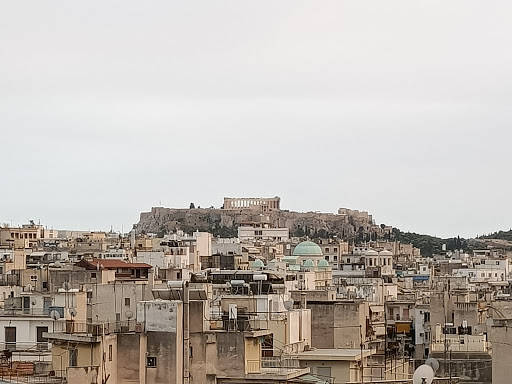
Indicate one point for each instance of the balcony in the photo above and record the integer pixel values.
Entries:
(31, 347)
(97, 329)
(9, 280)
(25, 312)
(90, 332)
(253, 366)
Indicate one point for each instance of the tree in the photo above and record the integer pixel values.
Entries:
(192, 206)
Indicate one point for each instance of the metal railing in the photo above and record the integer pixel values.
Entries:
(97, 328)
(21, 312)
(25, 346)
(253, 366)
(8, 280)
(15, 377)
(279, 362)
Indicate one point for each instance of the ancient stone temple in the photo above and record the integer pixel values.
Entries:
(256, 204)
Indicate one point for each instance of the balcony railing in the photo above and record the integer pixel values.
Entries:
(279, 362)
(22, 312)
(97, 329)
(18, 346)
(8, 280)
(253, 366)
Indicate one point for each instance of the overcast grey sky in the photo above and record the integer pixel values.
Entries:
(401, 108)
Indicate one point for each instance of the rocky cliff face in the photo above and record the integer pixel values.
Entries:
(224, 223)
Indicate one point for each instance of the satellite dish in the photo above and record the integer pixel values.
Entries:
(128, 314)
(66, 285)
(57, 264)
(432, 363)
(72, 312)
(33, 301)
(288, 304)
(55, 315)
(423, 375)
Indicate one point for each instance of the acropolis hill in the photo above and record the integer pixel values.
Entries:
(224, 222)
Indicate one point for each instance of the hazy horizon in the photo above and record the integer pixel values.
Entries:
(397, 108)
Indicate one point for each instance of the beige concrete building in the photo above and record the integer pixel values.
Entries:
(501, 339)
(29, 234)
(339, 324)
(337, 366)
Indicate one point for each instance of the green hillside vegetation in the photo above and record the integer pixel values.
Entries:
(500, 235)
(430, 245)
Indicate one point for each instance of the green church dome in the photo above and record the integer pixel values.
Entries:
(323, 264)
(309, 263)
(307, 248)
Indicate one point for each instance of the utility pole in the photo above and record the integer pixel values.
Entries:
(186, 336)
(450, 367)
(443, 329)
(361, 345)
(385, 339)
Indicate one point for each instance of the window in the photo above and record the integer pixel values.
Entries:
(93, 275)
(324, 372)
(10, 338)
(45, 285)
(326, 258)
(110, 352)
(42, 342)
(327, 250)
(73, 358)
(127, 301)
(33, 277)
(151, 362)
(335, 258)
(335, 250)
